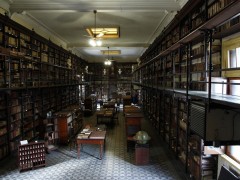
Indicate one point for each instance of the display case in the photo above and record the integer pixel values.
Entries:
(31, 156)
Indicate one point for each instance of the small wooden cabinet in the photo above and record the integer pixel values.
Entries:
(69, 123)
(77, 118)
(141, 154)
(64, 119)
(31, 156)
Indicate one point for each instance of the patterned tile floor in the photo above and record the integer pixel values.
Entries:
(117, 163)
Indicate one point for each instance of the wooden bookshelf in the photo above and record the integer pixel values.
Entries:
(3, 126)
(15, 115)
(37, 76)
(183, 63)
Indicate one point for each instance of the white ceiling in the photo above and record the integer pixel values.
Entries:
(140, 22)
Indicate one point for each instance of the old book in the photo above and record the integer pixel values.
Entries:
(98, 135)
(83, 135)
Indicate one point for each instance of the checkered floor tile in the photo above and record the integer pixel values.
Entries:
(116, 164)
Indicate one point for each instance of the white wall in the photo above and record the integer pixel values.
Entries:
(26, 21)
(29, 22)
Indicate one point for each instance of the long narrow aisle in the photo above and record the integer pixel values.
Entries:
(117, 163)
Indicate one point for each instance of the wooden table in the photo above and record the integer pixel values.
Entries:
(105, 113)
(96, 137)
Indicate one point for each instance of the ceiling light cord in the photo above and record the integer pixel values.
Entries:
(95, 42)
(95, 23)
(108, 62)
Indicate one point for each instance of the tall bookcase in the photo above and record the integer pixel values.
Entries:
(37, 76)
(109, 81)
(3, 125)
(183, 67)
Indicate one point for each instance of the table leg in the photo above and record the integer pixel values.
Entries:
(101, 149)
(104, 145)
(79, 147)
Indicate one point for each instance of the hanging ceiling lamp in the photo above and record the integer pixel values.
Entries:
(108, 62)
(94, 41)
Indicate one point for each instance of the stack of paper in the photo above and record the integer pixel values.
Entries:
(84, 134)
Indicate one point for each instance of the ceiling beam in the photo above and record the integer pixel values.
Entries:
(86, 6)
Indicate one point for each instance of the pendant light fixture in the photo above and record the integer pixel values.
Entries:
(108, 62)
(94, 41)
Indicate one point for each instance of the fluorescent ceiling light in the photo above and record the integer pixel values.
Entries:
(104, 32)
(111, 52)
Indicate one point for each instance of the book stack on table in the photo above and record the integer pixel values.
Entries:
(85, 133)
